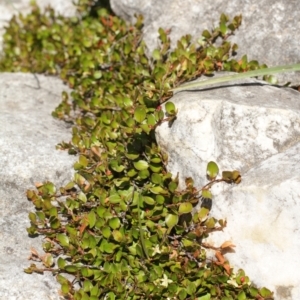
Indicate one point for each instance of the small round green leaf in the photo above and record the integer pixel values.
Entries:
(212, 170)
(141, 165)
(156, 178)
(170, 108)
(82, 197)
(227, 175)
(115, 198)
(191, 288)
(116, 167)
(97, 74)
(92, 219)
(210, 223)
(182, 294)
(265, 292)
(65, 288)
(242, 296)
(61, 263)
(172, 186)
(171, 220)
(185, 208)
(63, 239)
(106, 232)
(160, 199)
(114, 223)
(206, 194)
(69, 186)
(144, 174)
(131, 173)
(156, 160)
(55, 223)
(132, 155)
(156, 168)
(71, 269)
(156, 54)
(48, 260)
(203, 213)
(140, 114)
(158, 190)
(149, 200)
(108, 247)
(236, 176)
(32, 217)
(205, 297)
(118, 236)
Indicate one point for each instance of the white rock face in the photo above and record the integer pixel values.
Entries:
(28, 136)
(255, 129)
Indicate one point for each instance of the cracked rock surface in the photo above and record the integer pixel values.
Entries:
(254, 128)
(28, 136)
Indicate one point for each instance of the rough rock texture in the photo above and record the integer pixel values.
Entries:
(269, 32)
(8, 8)
(28, 136)
(254, 128)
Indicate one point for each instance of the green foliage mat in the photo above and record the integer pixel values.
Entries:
(121, 228)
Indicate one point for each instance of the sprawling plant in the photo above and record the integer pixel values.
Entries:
(121, 228)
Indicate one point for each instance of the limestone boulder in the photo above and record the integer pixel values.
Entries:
(254, 128)
(28, 139)
(269, 32)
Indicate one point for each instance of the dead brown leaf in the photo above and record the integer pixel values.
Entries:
(227, 244)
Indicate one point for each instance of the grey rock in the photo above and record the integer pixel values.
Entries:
(28, 137)
(269, 32)
(253, 128)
